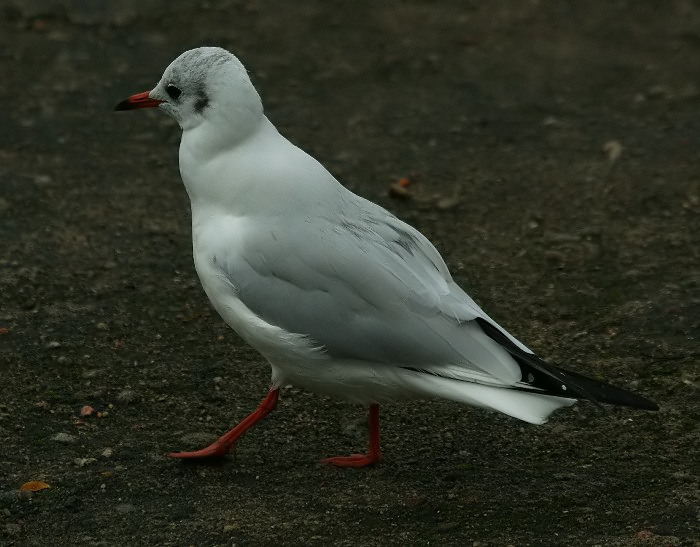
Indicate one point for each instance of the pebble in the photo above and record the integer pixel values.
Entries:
(659, 91)
(396, 190)
(126, 396)
(124, 508)
(64, 438)
(445, 204)
(613, 149)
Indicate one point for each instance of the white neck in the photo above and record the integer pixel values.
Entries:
(262, 174)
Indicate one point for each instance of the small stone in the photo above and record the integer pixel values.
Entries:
(659, 91)
(86, 410)
(126, 396)
(613, 149)
(124, 508)
(397, 190)
(64, 438)
(447, 203)
(107, 453)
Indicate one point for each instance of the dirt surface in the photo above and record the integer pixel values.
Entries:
(553, 153)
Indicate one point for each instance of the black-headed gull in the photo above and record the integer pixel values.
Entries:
(339, 295)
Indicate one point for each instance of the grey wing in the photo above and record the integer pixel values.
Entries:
(364, 286)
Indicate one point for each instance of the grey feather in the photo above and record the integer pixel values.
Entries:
(364, 285)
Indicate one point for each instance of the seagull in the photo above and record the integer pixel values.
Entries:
(339, 296)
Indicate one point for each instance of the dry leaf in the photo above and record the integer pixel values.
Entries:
(33, 486)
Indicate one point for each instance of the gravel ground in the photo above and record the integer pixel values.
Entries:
(552, 149)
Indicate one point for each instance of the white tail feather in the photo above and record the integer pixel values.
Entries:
(525, 405)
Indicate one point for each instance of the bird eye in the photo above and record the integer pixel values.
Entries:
(173, 91)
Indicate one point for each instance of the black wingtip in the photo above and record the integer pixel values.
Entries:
(561, 382)
(605, 393)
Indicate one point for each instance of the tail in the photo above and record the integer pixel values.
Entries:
(559, 382)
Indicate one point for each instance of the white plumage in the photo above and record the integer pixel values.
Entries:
(340, 296)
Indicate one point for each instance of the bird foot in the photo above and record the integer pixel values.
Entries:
(354, 460)
(223, 445)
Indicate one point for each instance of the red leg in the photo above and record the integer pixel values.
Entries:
(374, 454)
(223, 444)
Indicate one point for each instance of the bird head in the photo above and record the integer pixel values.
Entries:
(198, 83)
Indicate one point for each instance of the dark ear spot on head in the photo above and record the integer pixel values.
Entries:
(202, 101)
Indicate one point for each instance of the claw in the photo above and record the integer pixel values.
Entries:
(214, 450)
(354, 460)
(374, 454)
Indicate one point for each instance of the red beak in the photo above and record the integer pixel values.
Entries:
(140, 100)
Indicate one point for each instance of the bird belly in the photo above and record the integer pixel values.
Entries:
(296, 359)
